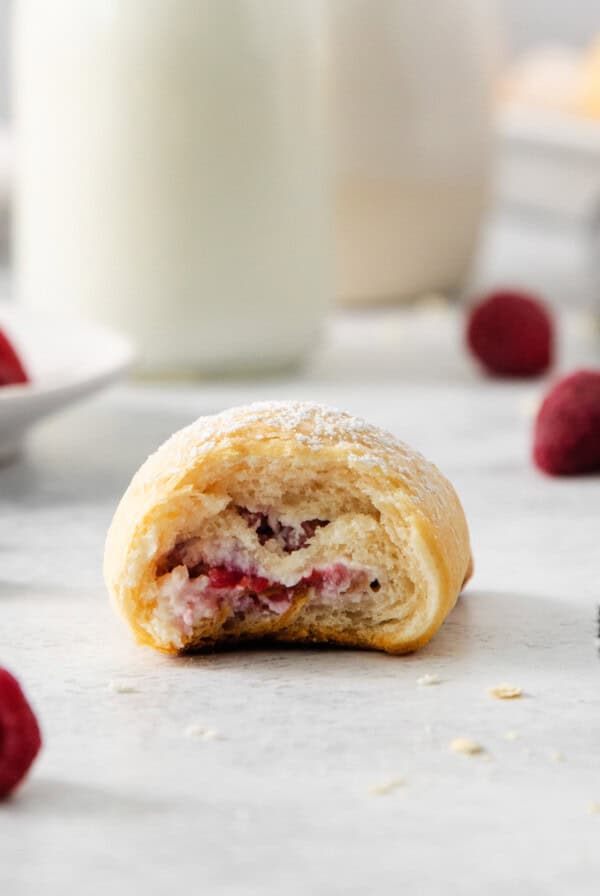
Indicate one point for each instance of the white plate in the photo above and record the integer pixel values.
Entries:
(66, 360)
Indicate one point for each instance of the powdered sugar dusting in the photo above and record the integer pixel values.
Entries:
(361, 446)
(312, 425)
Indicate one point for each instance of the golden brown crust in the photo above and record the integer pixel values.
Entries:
(410, 494)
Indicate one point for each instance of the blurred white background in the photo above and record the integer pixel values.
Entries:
(555, 256)
(527, 22)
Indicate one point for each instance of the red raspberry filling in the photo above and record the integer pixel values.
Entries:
(205, 591)
(194, 589)
(330, 580)
(221, 577)
(20, 738)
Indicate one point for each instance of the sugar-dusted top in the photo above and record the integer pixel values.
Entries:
(312, 426)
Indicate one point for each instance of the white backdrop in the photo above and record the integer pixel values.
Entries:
(526, 22)
(532, 21)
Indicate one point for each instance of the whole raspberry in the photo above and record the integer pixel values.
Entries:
(567, 429)
(11, 368)
(512, 334)
(20, 738)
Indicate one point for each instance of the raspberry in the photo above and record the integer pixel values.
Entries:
(512, 334)
(11, 368)
(20, 738)
(567, 429)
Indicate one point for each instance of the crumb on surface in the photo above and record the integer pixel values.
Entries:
(506, 691)
(511, 735)
(121, 687)
(202, 733)
(466, 745)
(387, 787)
(557, 756)
(593, 808)
(429, 678)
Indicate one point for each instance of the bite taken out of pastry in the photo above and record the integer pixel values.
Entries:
(287, 521)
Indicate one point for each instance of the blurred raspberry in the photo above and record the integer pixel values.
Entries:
(11, 368)
(512, 334)
(567, 429)
(20, 738)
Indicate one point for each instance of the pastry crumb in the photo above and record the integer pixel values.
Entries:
(511, 735)
(121, 687)
(387, 787)
(506, 691)
(466, 745)
(557, 756)
(593, 808)
(202, 733)
(429, 678)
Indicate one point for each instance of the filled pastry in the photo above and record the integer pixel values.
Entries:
(289, 521)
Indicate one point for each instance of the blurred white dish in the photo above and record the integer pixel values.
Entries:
(66, 359)
(549, 162)
(411, 93)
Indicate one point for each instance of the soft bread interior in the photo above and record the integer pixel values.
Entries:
(320, 519)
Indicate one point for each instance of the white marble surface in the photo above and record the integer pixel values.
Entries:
(122, 801)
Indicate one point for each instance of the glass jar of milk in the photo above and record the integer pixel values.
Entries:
(412, 119)
(172, 175)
